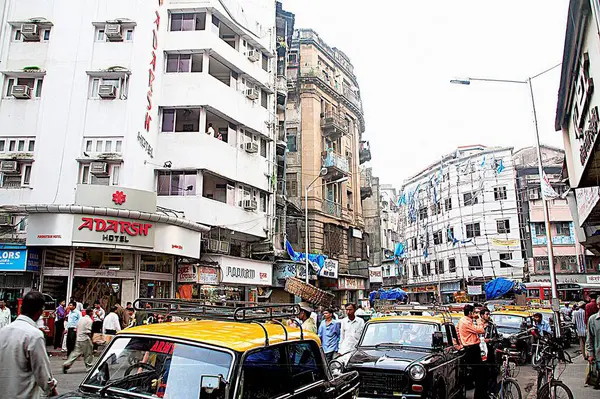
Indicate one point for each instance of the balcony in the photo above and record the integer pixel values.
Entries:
(282, 85)
(332, 208)
(364, 154)
(352, 96)
(337, 166)
(333, 125)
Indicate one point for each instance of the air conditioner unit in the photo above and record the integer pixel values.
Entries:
(107, 91)
(252, 147)
(9, 167)
(250, 205)
(213, 245)
(534, 195)
(223, 247)
(99, 168)
(253, 55)
(6, 220)
(21, 91)
(30, 32)
(252, 93)
(113, 32)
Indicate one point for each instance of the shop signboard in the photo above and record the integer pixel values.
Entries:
(108, 231)
(281, 271)
(17, 258)
(453, 286)
(587, 198)
(34, 260)
(474, 290)
(375, 274)
(593, 279)
(424, 288)
(329, 269)
(208, 275)
(187, 274)
(351, 283)
(245, 271)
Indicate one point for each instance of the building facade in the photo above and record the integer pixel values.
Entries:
(172, 104)
(324, 131)
(461, 224)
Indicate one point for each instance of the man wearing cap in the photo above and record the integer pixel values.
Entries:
(307, 322)
(578, 316)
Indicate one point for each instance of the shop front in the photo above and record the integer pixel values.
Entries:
(19, 273)
(111, 246)
(200, 281)
(350, 289)
(421, 293)
(448, 289)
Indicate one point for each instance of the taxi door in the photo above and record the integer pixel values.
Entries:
(454, 357)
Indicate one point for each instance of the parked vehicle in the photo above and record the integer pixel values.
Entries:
(409, 356)
(512, 322)
(242, 352)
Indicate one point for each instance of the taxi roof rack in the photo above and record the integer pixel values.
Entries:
(237, 311)
(438, 310)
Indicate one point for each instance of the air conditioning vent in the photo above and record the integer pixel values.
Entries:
(9, 167)
(99, 168)
(213, 245)
(252, 93)
(223, 247)
(107, 91)
(253, 55)
(30, 32)
(6, 220)
(113, 32)
(250, 205)
(252, 148)
(21, 91)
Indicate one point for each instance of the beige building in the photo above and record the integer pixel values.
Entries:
(324, 126)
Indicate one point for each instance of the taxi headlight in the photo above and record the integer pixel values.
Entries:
(417, 372)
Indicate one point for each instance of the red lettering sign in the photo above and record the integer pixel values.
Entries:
(176, 246)
(152, 69)
(163, 347)
(117, 226)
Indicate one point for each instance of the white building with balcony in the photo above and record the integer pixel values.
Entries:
(462, 224)
(173, 97)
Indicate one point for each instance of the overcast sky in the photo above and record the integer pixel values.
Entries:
(406, 51)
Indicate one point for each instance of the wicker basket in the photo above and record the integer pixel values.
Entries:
(308, 292)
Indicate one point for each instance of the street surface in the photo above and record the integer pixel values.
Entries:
(573, 376)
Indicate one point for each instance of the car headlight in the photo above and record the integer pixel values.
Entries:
(336, 368)
(417, 372)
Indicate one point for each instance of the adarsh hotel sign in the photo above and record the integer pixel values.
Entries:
(113, 231)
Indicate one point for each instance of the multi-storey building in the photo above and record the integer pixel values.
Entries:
(154, 114)
(462, 224)
(324, 128)
(571, 261)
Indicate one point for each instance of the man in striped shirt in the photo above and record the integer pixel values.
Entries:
(580, 323)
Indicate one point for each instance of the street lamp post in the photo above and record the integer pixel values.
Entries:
(322, 173)
(467, 81)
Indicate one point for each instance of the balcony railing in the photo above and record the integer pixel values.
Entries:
(364, 154)
(282, 84)
(333, 160)
(333, 123)
(332, 208)
(352, 97)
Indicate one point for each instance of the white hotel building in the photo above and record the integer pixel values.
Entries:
(461, 224)
(174, 98)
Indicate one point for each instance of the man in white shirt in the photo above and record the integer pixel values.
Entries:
(4, 315)
(83, 344)
(210, 131)
(99, 313)
(352, 328)
(111, 325)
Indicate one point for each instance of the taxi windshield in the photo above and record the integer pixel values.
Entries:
(508, 324)
(165, 368)
(400, 333)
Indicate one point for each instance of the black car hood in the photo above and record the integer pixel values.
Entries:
(385, 358)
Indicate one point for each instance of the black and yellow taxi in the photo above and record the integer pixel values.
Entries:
(409, 357)
(242, 353)
(510, 323)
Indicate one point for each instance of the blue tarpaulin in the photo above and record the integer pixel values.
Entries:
(389, 294)
(500, 286)
(319, 259)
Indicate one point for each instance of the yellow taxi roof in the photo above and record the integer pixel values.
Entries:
(512, 313)
(240, 337)
(427, 319)
(540, 310)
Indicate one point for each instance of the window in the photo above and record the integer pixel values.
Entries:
(563, 229)
(100, 36)
(452, 265)
(119, 83)
(413, 243)
(439, 267)
(265, 62)
(21, 145)
(108, 179)
(2, 142)
(263, 202)
(423, 213)
(542, 264)
(179, 183)
(450, 234)
(292, 142)
(291, 184)
(187, 22)
(437, 237)
(424, 267)
(264, 99)
(503, 226)
(46, 34)
(129, 35)
(17, 37)
(181, 120)
(503, 257)
(263, 148)
(436, 208)
(26, 174)
(470, 198)
(179, 62)
(415, 270)
(540, 229)
(499, 193)
(34, 83)
(475, 262)
(293, 58)
(448, 204)
(446, 176)
(473, 230)
(11, 145)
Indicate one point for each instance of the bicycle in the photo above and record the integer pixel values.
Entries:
(508, 387)
(551, 355)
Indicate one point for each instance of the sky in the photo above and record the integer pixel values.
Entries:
(405, 52)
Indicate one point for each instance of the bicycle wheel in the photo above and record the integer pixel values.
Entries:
(554, 390)
(512, 369)
(509, 389)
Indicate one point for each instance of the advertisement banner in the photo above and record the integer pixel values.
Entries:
(594, 279)
(208, 275)
(187, 274)
(281, 271)
(587, 198)
(351, 283)
(330, 268)
(474, 290)
(505, 243)
(376, 274)
(13, 260)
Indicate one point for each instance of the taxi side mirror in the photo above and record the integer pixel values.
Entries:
(437, 340)
(209, 383)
